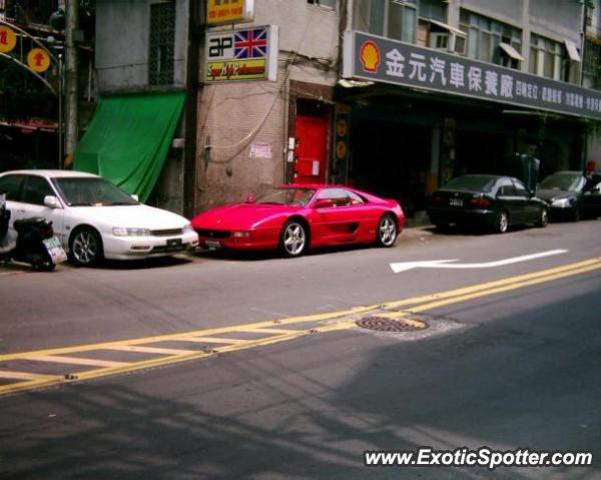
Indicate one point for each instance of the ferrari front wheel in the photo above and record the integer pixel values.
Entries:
(293, 240)
(387, 231)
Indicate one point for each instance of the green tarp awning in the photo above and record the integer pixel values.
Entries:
(128, 139)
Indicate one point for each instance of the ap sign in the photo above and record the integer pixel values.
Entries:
(242, 54)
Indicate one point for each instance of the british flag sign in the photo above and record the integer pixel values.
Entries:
(242, 54)
(251, 43)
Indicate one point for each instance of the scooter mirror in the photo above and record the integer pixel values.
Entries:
(51, 201)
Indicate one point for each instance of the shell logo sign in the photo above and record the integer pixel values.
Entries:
(369, 54)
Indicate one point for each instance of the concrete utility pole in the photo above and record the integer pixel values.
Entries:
(71, 76)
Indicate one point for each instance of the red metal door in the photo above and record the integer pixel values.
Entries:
(311, 150)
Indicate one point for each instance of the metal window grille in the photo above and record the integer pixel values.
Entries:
(162, 43)
(592, 59)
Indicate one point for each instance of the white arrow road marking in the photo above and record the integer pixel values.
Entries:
(404, 266)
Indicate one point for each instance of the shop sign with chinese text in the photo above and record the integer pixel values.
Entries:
(242, 54)
(220, 12)
(384, 60)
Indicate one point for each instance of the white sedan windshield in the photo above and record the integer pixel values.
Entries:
(80, 192)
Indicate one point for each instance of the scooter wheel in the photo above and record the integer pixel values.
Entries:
(45, 266)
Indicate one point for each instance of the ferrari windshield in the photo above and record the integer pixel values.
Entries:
(286, 196)
(562, 181)
(91, 192)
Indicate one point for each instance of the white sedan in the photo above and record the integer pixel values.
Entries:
(93, 218)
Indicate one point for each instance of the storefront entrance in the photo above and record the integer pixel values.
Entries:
(391, 159)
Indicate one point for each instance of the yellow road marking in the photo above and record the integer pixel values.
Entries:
(496, 283)
(339, 320)
(264, 330)
(501, 289)
(73, 360)
(157, 350)
(234, 341)
(32, 384)
(25, 376)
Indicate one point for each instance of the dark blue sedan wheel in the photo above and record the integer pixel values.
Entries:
(502, 223)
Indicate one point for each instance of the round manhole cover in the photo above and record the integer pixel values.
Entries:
(383, 324)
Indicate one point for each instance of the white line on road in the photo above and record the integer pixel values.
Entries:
(404, 266)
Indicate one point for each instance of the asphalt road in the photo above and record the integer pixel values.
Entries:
(513, 369)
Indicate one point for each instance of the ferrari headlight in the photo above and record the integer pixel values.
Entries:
(131, 232)
(241, 234)
(561, 203)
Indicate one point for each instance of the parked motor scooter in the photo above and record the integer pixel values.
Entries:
(32, 241)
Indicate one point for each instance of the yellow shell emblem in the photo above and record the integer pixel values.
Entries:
(370, 56)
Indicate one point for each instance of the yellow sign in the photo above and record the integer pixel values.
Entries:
(341, 127)
(38, 60)
(341, 150)
(8, 39)
(236, 69)
(228, 11)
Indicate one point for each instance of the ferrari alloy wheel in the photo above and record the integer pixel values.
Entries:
(294, 238)
(543, 219)
(387, 231)
(85, 247)
(502, 222)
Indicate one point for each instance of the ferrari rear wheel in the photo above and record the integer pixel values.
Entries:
(387, 231)
(293, 240)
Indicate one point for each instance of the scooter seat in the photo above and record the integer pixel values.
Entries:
(25, 222)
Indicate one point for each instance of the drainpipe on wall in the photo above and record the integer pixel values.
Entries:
(71, 77)
(582, 41)
(195, 34)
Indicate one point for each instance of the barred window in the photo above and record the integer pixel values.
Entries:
(162, 41)
(592, 59)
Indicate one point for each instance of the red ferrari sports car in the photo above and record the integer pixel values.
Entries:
(295, 217)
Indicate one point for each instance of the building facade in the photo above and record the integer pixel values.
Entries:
(391, 96)
(142, 58)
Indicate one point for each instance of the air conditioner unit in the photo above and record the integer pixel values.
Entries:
(459, 44)
(448, 42)
(439, 40)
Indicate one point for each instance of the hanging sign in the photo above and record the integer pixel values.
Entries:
(242, 54)
(220, 12)
(38, 60)
(8, 39)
